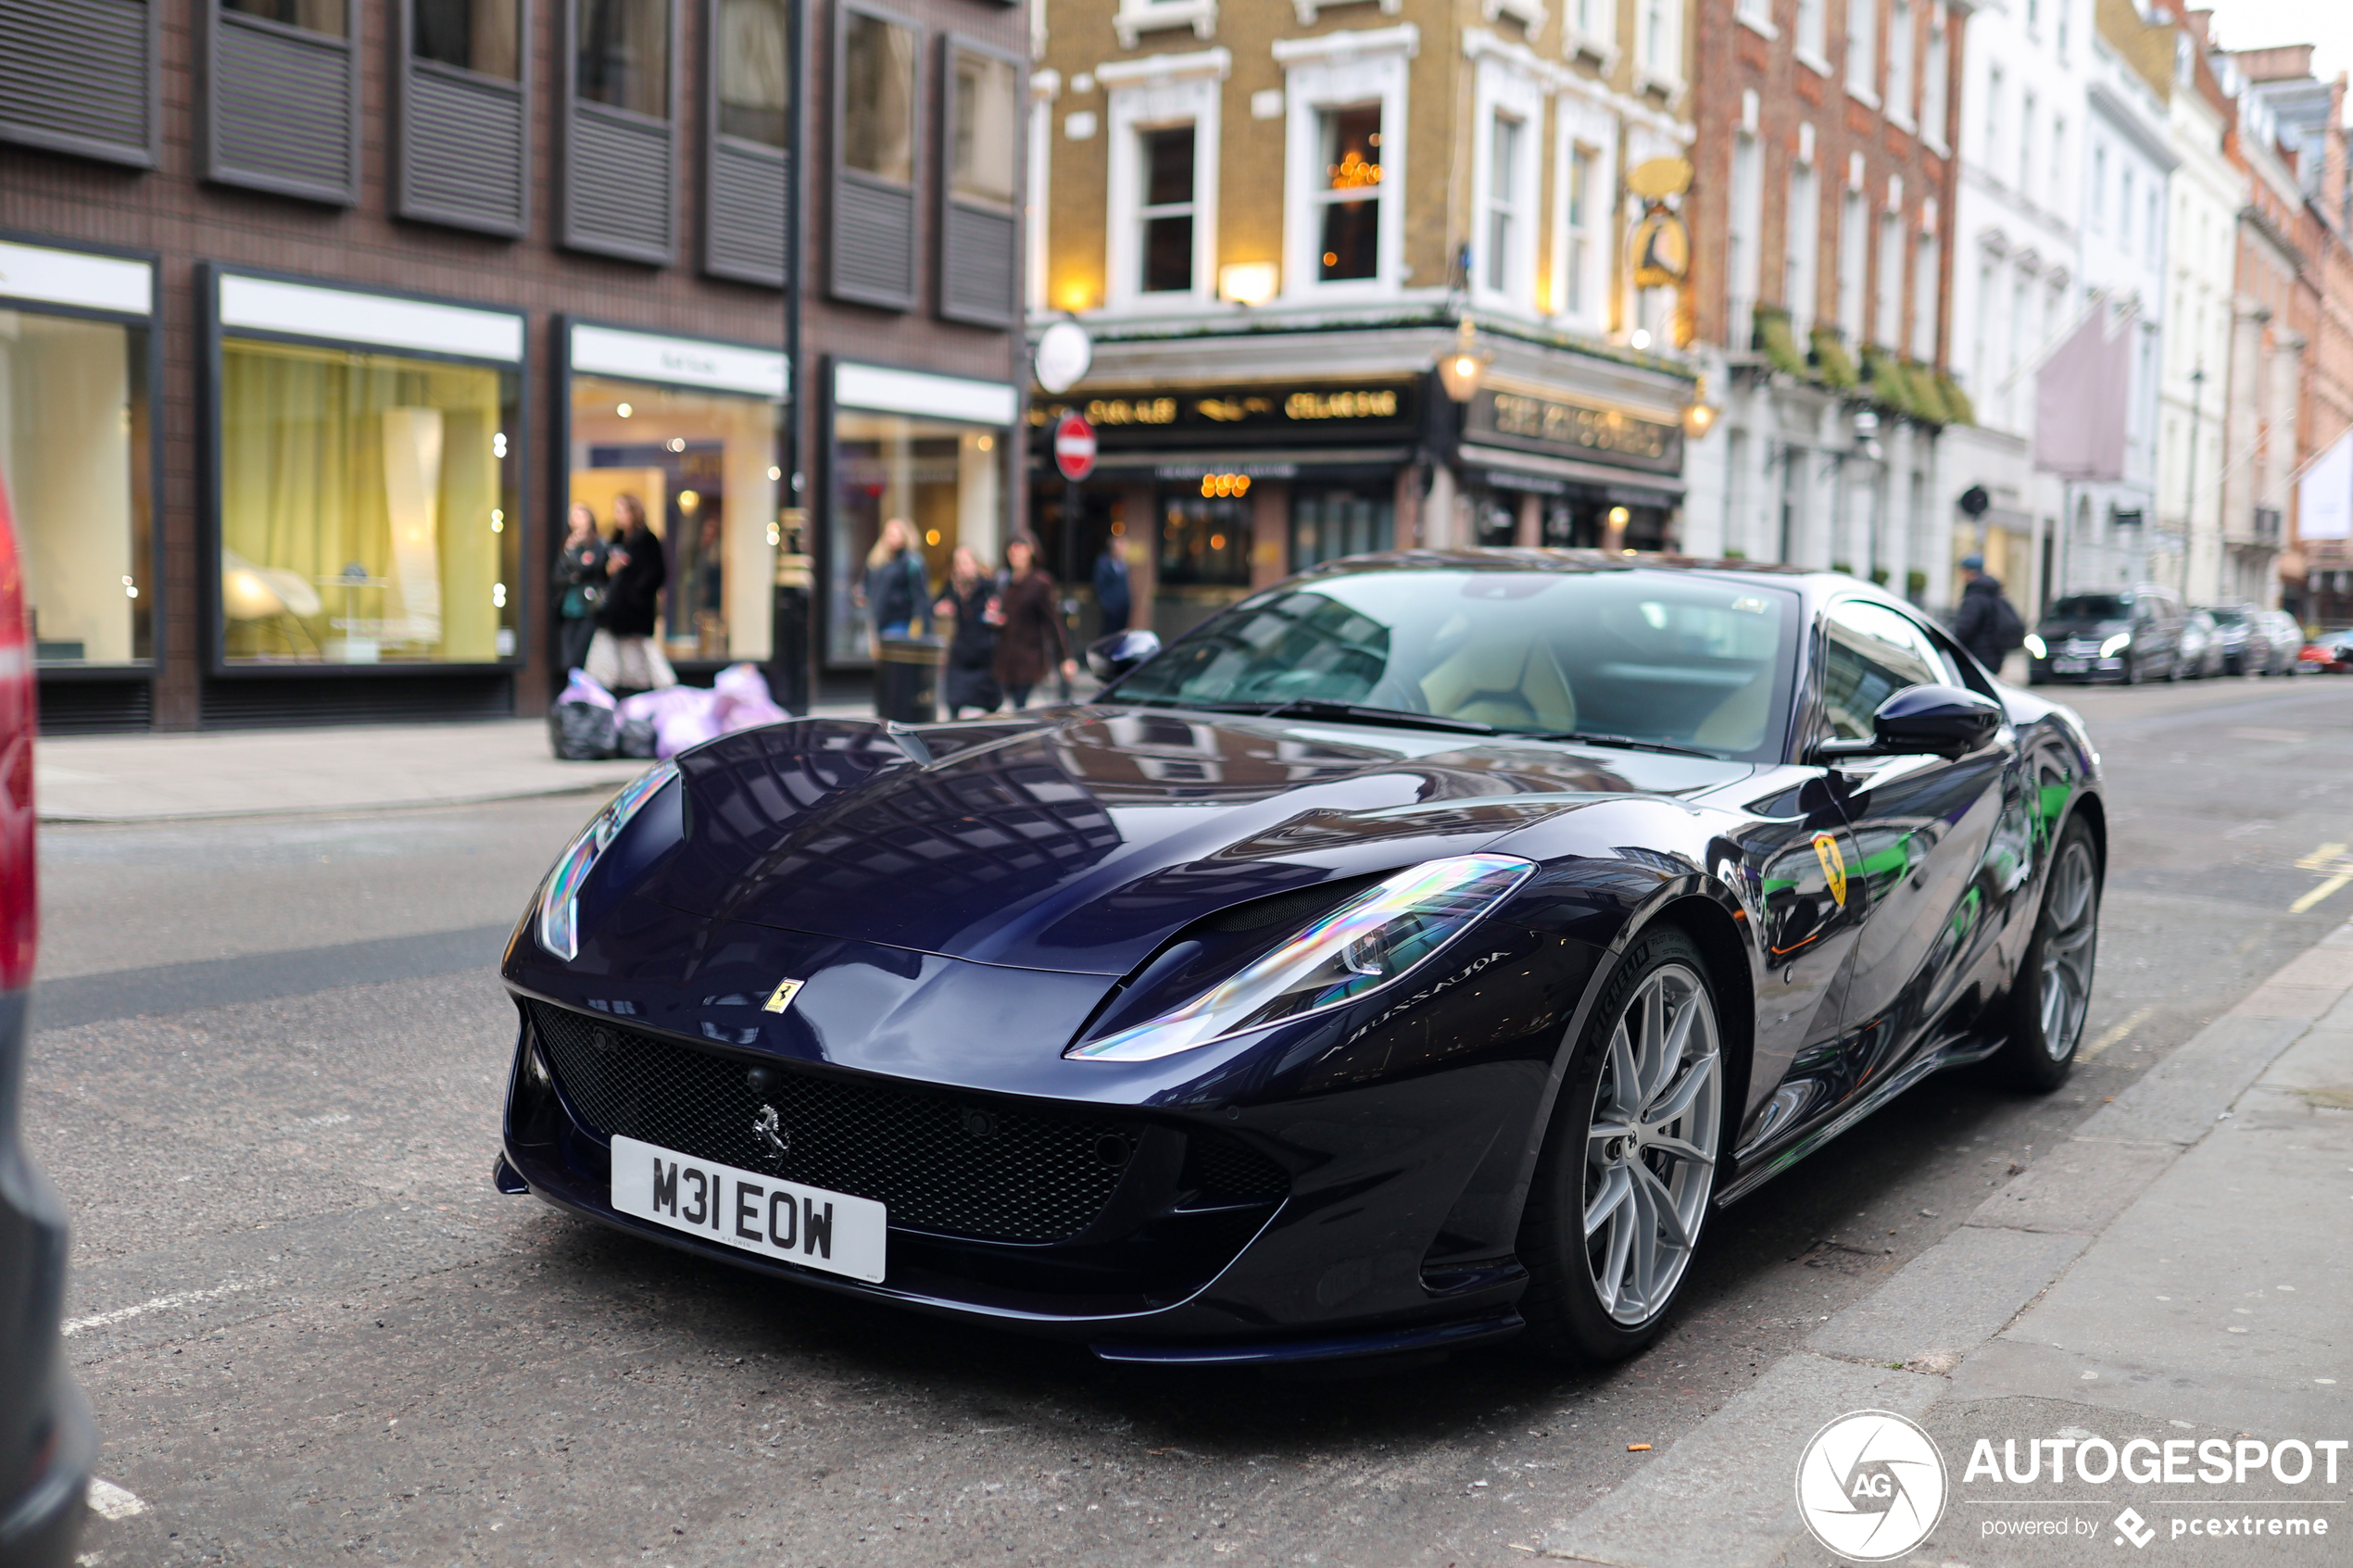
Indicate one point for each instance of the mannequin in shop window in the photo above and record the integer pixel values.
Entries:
(626, 655)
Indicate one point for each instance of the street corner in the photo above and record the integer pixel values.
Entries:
(2045, 1482)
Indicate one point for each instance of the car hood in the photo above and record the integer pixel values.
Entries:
(1081, 839)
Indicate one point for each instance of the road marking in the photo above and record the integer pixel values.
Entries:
(2088, 1052)
(2320, 857)
(160, 1304)
(2326, 888)
(111, 1501)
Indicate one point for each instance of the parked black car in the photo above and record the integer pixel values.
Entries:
(2247, 647)
(46, 1441)
(2129, 636)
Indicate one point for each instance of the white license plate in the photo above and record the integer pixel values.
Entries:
(2071, 666)
(750, 1211)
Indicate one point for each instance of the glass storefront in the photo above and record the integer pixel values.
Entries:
(704, 464)
(369, 508)
(1327, 524)
(73, 454)
(1204, 555)
(946, 479)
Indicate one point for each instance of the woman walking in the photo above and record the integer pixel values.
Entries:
(966, 601)
(1029, 634)
(579, 579)
(896, 586)
(624, 655)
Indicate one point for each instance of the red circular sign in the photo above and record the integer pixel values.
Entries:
(1075, 447)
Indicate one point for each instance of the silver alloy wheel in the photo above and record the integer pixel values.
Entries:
(2070, 924)
(1651, 1152)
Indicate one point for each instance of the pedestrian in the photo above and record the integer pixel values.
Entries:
(1110, 588)
(1030, 625)
(897, 586)
(964, 600)
(579, 581)
(1985, 624)
(626, 655)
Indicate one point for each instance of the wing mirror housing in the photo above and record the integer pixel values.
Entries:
(1939, 721)
(1114, 656)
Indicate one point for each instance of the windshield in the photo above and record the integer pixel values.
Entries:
(2093, 607)
(2227, 617)
(1670, 658)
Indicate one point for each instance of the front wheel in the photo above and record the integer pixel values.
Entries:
(2052, 994)
(1628, 1170)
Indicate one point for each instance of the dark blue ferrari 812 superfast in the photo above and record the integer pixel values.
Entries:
(1413, 954)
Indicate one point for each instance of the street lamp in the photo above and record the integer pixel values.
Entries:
(1699, 414)
(1465, 364)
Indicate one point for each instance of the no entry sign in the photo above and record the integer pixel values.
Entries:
(1075, 447)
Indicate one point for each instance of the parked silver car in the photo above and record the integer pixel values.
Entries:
(2246, 647)
(2201, 647)
(2282, 639)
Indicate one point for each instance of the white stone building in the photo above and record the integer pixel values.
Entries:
(2208, 193)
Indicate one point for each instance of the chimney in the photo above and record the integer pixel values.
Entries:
(2287, 62)
(2332, 155)
(2201, 26)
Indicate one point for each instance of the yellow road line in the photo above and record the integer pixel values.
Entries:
(2320, 857)
(2330, 885)
(2088, 1052)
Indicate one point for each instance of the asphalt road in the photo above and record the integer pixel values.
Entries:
(313, 1333)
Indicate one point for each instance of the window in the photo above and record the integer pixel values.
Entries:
(1862, 47)
(1809, 30)
(107, 54)
(74, 457)
(1595, 22)
(875, 132)
(1328, 524)
(1871, 654)
(946, 479)
(1888, 328)
(981, 133)
(1899, 60)
(755, 101)
(1503, 217)
(622, 56)
(2055, 176)
(329, 17)
(2124, 209)
(2026, 144)
(1803, 249)
(978, 243)
(1662, 40)
(1853, 239)
(464, 67)
(476, 35)
(1350, 201)
(1992, 151)
(2152, 234)
(273, 65)
(1926, 265)
(2095, 199)
(1743, 252)
(364, 502)
(1165, 155)
(878, 108)
(1932, 79)
(1759, 12)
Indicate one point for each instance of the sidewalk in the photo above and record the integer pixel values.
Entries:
(2179, 1268)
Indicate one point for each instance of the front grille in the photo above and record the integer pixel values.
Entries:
(1225, 1170)
(944, 1162)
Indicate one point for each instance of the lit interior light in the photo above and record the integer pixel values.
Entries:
(986, 444)
(498, 594)
(689, 499)
(775, 473)
(678, 443)
(775, 536)
(1248, 282)
(1642, 338)
(624, 410)
(1218, 541)
(499, 444)
(497, 520)
(1619, 516)
(1118, 530)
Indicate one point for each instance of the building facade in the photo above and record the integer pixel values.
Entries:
(321, 316)
(1276, 221)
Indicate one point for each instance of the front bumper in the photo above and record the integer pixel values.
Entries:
(1400, 1150)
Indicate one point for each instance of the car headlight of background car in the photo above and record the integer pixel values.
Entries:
(2116, 645)
(1382, 934)
(2036, 645)
(560, 899)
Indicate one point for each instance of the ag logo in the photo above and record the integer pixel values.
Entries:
(1870, 1485)
(1834, 865)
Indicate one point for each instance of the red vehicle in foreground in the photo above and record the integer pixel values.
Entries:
(2331, 652)
(46, 1440)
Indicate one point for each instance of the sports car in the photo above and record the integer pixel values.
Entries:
(1418, 953)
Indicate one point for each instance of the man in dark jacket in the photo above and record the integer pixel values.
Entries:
(1985, 624)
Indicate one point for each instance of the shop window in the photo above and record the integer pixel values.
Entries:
(1504, 196)
(1328, 524)
(874, 218)
(369, 506)
(977, 237)
(73, 456)
(79, 78)
(703, 466)
(281, 97)
(1350, 201)
(1166, 215)
(747, 182)
(946, 479)
(619, 186)
(1204, 541)
(463, 112)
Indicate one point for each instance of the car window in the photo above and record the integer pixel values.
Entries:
(2091, 607)
(1869, 654)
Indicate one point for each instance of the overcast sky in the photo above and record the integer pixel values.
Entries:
(2256, 24)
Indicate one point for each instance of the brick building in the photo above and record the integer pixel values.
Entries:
(1822, 215)
(316, 316)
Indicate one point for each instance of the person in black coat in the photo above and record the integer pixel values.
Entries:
(1983, 623)
(579, 587)
(634, 573)
(971, 676)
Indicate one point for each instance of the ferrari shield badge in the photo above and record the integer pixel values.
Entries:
(1825, 850)
(781, 997)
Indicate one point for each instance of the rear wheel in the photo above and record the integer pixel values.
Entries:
(2052, 994)
(1627, 1171)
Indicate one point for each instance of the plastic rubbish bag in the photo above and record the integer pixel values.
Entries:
(581, 726)
(687, 716)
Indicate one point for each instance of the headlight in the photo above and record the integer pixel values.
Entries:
(2036, 646)
(1382, 934)
(2116, 645)
(560, 899)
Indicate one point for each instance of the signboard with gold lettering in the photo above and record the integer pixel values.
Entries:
(1340, 413)
(1562, 429)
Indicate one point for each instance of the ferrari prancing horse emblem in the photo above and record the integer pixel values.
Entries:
(1833, 866)
(781, 998)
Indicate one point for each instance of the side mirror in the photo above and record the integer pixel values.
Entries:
(1941, 721)
(1114, 656)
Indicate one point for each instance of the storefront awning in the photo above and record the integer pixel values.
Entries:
(1667, 491)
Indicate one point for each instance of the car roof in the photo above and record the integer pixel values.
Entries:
(1814, 585)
